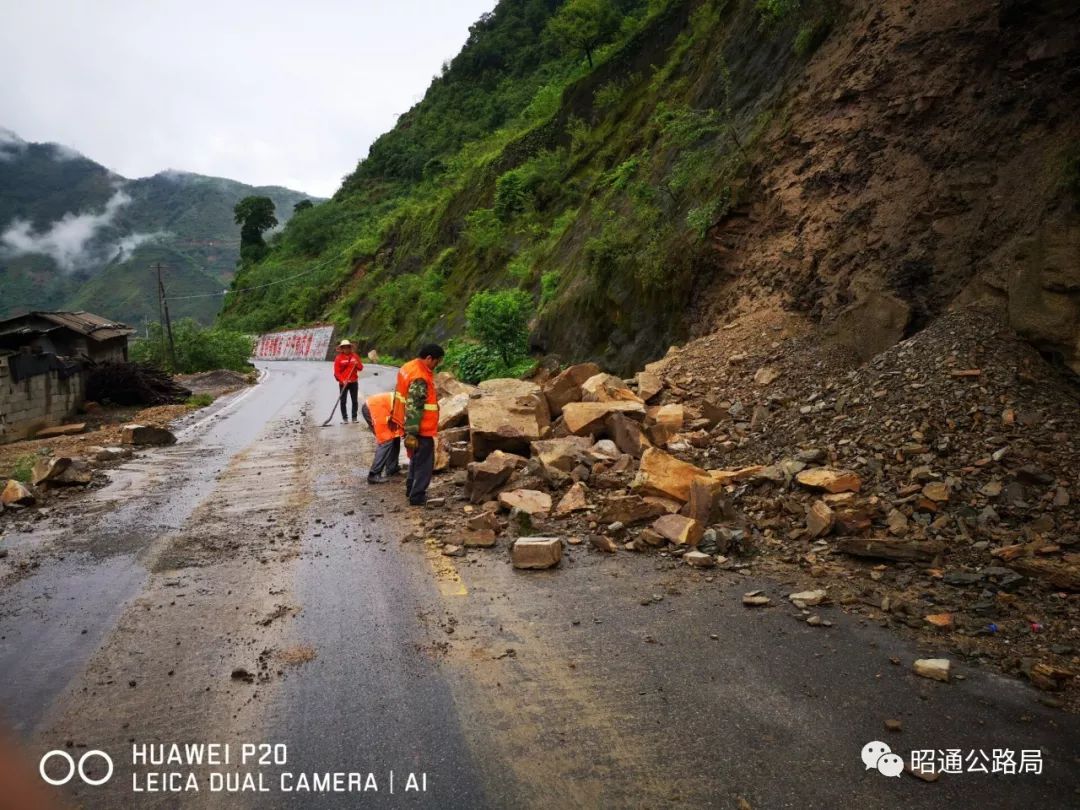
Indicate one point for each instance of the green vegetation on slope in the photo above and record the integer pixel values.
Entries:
(592, 188)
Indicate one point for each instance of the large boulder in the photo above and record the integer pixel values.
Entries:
(146, 435)
(536, 552)
(508, 416)
(588, 418)
(488, 477)
(664, 422)
(607, 388)
(561, 454)
(649, 385)
(566, 387)
(661, 473)
(627, 434)
(453, 411)
(532, 502)
(628, 509)
(446, 385)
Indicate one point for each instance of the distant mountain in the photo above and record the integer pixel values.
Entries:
(75, 235)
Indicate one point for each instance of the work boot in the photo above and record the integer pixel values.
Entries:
(377, 479)
(417, 501)
(354, 420)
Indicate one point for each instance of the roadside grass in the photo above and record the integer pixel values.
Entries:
(199, 400)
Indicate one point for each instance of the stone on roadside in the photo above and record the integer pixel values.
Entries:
(588, 418)
(682, 531)
(630, 509)
(483, 521)
(662, 474)
(48, 469)
(532, 502)
(937, 491)
(627, 434)
(486, 478)
(603, 543)
(607, 388)
(508, 416)
(755, 599)
(15, 493)
(146, 435)
(766, 375)
(477, 538)
(453, 411)
(446, 385)
(61, 430)
(109, 453)
(829, 479)
(536, 552)
(934, 668)
(566, 387)
(453, 551)
(648, 385)
(699, 559)
(808, 598)
(819, 519)
(942, 621)
(575, 500)
(561, 454)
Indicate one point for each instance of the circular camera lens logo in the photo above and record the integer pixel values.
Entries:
(72, 767)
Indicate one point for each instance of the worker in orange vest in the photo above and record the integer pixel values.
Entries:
(416, 412)
(347, 368)
(377, 410)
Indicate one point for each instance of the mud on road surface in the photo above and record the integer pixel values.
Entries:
(248, 586)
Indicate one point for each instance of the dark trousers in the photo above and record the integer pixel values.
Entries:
(386, 453)
(352, 389)
(421, 468)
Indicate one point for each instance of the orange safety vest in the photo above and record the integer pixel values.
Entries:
(380, 407)
(407, 375)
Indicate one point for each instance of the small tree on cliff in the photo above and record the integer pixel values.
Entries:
(255, 216)
(585, 25)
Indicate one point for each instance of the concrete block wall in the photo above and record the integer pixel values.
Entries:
(29, 405)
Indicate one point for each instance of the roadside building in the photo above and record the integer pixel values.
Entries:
(43, 362)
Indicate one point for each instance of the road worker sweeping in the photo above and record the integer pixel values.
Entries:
(347, 368)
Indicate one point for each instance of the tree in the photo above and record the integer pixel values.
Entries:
(585, 25)
(500, 321)
(255, 216)
(303, 205)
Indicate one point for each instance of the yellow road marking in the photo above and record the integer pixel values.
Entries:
(446, 575)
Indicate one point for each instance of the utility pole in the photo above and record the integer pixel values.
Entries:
(163, 314)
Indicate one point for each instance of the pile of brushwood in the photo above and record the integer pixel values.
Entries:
(133, 384)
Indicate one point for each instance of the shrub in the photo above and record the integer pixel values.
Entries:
(500, 321)
(482, 228)
(200, 400)
(510, 196)
(810, 36)
(774, 11)
(197, 349)
(549, 285)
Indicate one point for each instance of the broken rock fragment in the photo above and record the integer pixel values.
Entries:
(662, 474)
(682, 531)
(935, 668)
(829, 479)
(532, 502)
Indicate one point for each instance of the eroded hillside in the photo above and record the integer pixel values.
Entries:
(866, 164)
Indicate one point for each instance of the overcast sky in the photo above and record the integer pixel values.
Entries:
(269, 92)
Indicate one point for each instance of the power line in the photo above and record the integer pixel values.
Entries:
(223, 293)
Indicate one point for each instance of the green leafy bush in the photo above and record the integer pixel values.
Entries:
(774, 11)
(811, 35)
(549, 285)
(510, 196)
(200, 400)
(197, 349)
(483, 228)
(500, 321)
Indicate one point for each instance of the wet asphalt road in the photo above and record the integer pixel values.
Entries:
(508, 689)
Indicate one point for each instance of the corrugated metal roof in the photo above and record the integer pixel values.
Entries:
(85, 323)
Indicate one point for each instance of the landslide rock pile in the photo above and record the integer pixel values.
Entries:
(934, 488)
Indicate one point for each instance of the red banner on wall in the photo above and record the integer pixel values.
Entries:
(297, 344)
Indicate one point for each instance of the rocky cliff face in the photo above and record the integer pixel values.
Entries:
(920, 161)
